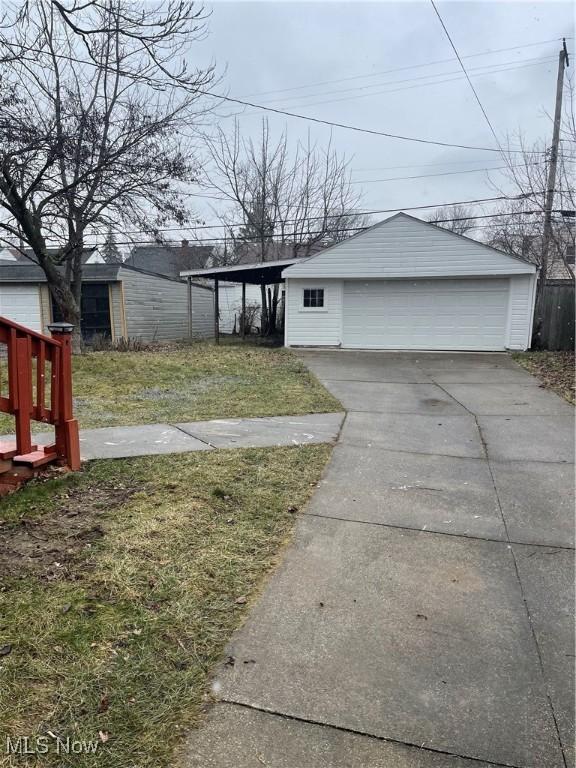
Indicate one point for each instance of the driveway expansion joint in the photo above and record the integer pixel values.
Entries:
(366, 734)
(508, 542)
(520, 585)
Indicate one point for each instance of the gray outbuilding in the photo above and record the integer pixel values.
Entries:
(118, 301)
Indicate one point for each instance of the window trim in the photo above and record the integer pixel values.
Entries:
(323, 308)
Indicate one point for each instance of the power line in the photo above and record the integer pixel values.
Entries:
(445, 173)
(442, 164)
(358, 129)
(200, 241)
(401, 69)
(433, 80)
(360, 212)
(308, 118)
(467, 75)
(403, 89)
(345, 229)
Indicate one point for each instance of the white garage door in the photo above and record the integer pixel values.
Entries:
(21, 303)
(426, 314)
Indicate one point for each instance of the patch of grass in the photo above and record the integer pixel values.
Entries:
(191, 383)
(554, 369)
(119, 640)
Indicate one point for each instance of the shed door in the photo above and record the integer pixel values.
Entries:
(94, 311)
(426, 314)
(21, 303)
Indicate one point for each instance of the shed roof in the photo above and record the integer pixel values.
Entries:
(12, 272)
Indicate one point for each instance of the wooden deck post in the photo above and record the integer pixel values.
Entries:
(243, 317)
(24, 385)
(216, 314)
(67, 437)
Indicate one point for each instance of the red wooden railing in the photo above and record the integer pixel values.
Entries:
(28, 355)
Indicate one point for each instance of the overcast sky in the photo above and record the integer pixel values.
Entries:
(376, 65)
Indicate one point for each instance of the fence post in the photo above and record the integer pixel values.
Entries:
(67, 437)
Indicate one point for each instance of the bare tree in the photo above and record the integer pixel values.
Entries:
(92, 127)
(457, 218)
(288, 203)
(519, 232)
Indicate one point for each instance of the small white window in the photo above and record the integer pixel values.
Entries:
(313, 298)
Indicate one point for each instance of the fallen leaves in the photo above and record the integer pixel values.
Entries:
(241, 600)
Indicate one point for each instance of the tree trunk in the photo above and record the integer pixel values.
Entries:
(67, 303)
(273, 308)
(264, 312)
(271, 316)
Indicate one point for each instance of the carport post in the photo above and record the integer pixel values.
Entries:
(243, 318)
(189, 281)
(216, 314)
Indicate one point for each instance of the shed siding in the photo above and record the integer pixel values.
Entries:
(157, 309)
(520, 311)
(309, 326)
(202, 313)
(403, 246)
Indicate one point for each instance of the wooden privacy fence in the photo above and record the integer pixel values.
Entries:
(38, 387)
(554, 327)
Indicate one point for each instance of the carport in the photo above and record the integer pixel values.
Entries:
(263, 273)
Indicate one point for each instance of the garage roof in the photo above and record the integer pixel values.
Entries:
(403, 247)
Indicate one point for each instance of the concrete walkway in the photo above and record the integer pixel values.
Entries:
(423, 616)
(156, 439)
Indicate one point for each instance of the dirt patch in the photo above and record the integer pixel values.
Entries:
(47, 546)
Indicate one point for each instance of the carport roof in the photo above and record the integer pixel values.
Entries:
(263, 273)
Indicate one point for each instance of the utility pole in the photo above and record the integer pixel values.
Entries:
(563, 62)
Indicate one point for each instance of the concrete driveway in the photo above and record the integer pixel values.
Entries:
(423, 616)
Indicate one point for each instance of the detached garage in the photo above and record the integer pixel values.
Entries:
(408, 284)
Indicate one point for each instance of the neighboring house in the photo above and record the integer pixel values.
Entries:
(118, 301)
(230, 303)
(170, 260)
(408, 284)
(529, 247)
(251, 253)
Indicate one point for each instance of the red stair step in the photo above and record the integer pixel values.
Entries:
(15, 476)
(8, 449)
(35, 458)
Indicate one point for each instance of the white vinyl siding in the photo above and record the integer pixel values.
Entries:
(313, 326)
(230, 304)
(21, 303)
(403, 246)
(407, 284)
(522, 288)
(426, 314)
